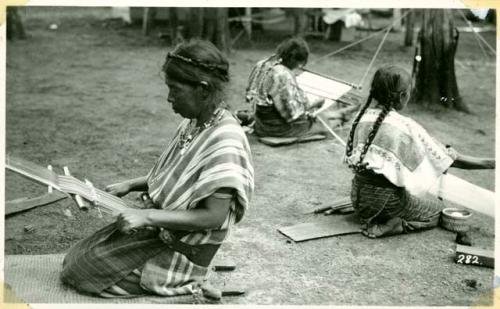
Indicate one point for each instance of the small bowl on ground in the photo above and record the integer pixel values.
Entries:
(455, 219)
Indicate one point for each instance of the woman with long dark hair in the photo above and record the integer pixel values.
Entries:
(395, 161)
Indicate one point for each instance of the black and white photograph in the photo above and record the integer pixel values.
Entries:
(240, 154)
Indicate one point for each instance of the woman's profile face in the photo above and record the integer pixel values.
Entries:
(185, 98)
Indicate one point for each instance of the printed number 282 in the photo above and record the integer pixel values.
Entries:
(467, 259)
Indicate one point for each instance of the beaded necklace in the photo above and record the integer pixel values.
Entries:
(192, 130)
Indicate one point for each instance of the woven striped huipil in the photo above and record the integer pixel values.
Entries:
(110, 263)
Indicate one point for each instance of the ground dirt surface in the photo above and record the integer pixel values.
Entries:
(90, 95)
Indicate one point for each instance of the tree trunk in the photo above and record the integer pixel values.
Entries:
(148, 17)
(334, 31)
(195, 26)
(216, 27)
(436, 82)
(409, 25)
(210, 24)
(173, 23)
(15, 28)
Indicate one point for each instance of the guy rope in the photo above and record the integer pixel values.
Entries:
(328, 82)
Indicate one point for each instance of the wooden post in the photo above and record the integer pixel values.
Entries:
(49, 190)
(397, 17)
(78, 199)
(147, 20)
(15, 28)
(300, 21)
(173, 23)
(222, 30)
(195, 26)
(409, 28)
(248, 22)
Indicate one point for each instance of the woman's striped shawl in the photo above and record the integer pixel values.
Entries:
(217, 157)
(402, 151)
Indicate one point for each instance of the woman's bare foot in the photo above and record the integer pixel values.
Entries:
(391, 227)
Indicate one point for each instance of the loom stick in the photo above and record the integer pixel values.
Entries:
(67, 184)
(49, 189)
(110, 203)
(226, 293)
(282, 141)
(323, 107)
(337, 205)
(327, 127)
(79, 201)
(352, 85)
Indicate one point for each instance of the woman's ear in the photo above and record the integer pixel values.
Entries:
(402, 96)
(204, 90)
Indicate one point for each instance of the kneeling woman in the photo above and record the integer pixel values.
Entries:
(199, 187)
(395, 161)
(281, 107)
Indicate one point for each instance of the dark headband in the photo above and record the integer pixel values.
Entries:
(219, 68)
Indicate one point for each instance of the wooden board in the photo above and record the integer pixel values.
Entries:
(322, 226)
(19, 205)
(282, 141)
(474, 256)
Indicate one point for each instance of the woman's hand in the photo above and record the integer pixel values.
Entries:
(132, 219)
(118, 189)
(317, 104)
(310, 116)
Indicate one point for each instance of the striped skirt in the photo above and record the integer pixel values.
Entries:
(112, 264)
(376, 200)
(269, 123)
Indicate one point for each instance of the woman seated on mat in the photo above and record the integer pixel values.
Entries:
(395, 161)
(281, 107)
(199, 187)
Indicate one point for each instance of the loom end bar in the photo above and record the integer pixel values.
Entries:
(49, 189)
(78, 199)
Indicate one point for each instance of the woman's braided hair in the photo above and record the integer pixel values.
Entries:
(389, 82)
